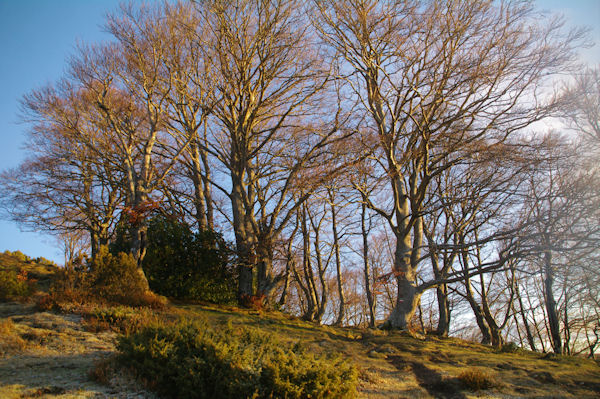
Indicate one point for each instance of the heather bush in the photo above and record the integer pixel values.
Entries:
(20, 256)
(10, 340)
(192, 360)
(121, 319)
(15, 285)
(510, 347)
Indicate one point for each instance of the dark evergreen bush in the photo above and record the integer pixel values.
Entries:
(183, 264)
(191, 360)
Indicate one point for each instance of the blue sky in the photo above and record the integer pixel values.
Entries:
(36, 39)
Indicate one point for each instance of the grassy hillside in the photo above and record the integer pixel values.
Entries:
(390, 364)
(393, 365)
(39, 269)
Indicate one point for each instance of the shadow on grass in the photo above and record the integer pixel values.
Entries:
(280, 324)
(429, 379)
(50, 374)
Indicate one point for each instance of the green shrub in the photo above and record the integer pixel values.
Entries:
(108, 278)
(121, 319)
(20, 256)
(183, 264)
(510, 347)
(476, 379)
(115, 277)
(15, 285)
(191, 360)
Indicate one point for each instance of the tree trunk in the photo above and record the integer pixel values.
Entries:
(138, 232)
(311, 287)
(486, 335)
(322, 300)
(206, 184)
(409, 295)
(94, 242)
(286, 282)
(338, 261)
(443, 327)
(528, 333)
(199, 199)
(366, 269)
(567, 327)
(243, 241)
(550, 302)
(494, 329)
(264, 256)
(406, 304)
(441, 291)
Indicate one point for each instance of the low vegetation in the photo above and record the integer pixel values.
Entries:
(15, 285)
(21, 275)
(476, 380)
(207, 350)
(108, 279)
(192, 359)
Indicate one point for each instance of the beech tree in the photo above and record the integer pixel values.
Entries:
(62, 187)
(581, 107)
(440, 82)
(188, 106)
(267, 81)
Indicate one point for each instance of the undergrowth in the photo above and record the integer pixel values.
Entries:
(476, 380)
(120, 319)
(190, 359)
(108, 279)
(15, 285)
(10, 340)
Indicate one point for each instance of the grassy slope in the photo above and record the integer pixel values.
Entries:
(42, 272)
(397, 365)
(394, 365)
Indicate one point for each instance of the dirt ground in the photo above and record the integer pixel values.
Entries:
(50, 355)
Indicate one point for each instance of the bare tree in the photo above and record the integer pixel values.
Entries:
(560, 227)
(62, 188)
(188, 105)
(266, 81)
(440, 82)
(582, 104)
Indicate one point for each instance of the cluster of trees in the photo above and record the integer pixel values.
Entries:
(370, 160)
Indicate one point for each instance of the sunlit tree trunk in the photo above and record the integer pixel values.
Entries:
(338, 260)
(366, 267)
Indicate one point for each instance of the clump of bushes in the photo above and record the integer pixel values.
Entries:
(15, 285)
(475, 379)
(115, 278)
(20, 256)
(510, 347)
(254, 302)
(190, 359)
(108, 279)
(121, 319)
(184, 264)
(10, 340)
